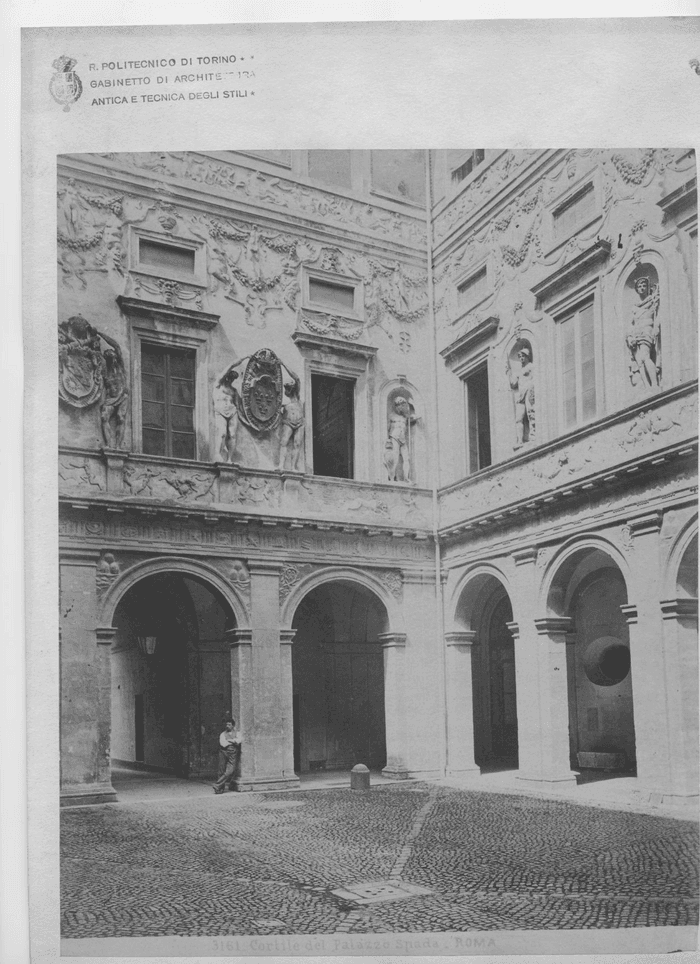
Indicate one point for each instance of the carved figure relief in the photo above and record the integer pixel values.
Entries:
(397, 448)
(643, 335)
(226, 404)
(292, 438)
(87, 374)
(522, 382)
(107, 571)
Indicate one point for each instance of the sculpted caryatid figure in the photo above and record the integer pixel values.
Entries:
(398, 444)
(115, 394)
(226, 405)
(642, 337)
(292, 438)
(523, 385)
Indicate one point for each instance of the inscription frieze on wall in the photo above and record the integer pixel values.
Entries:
(671, 421)
(258, 187)
(245, 541)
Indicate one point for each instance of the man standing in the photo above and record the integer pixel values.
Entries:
(229, 750)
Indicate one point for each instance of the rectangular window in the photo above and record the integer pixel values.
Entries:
(578, 366)
(155, 254)
(478, 419)
(473, 290)
(577, 210)
(400, 174)
(167, 401)
(333, 418)
(330, 167)
(466, 167)
(331, 295)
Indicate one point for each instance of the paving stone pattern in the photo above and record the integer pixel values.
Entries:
(248, 864)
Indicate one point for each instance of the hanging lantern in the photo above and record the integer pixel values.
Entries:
(147, 644)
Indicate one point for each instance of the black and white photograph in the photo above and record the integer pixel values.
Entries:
(375, 524)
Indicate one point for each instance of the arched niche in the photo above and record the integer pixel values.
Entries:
(392, 429)
(521, 377)
(641, 298)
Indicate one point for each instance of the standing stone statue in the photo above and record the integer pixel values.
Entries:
(523, 385)
(643, 335)
(115, 394)
(398, 444)
(226, 401)
(292, 438)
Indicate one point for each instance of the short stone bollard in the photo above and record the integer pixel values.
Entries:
(359, 777)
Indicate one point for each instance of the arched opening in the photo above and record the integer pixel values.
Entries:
(485, 608)
(687, 579)
(171, 677)
(338, 679)
(590, 589)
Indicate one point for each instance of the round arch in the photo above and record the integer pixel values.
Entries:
(473, 580)
(342, 574)
(676, 557)
(164, 564)
(556, 570)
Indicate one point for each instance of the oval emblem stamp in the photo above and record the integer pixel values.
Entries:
(65, 86)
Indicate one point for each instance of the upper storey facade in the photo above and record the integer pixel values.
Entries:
(247, 330)
(565, 296)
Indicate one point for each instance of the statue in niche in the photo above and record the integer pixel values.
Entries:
(522, 383)
(397, 448)
(115, 394)
(292, 437)
(643, 336)
(226, 404)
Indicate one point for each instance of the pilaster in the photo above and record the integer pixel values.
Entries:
(680, 622)
(394, 645)
(287, 702)
(85, 685)
(460, 707)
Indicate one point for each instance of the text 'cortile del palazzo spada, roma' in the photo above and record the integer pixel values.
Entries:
(390, 455)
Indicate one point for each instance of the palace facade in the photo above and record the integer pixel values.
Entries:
(390, 454)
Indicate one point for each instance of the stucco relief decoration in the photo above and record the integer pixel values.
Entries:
(82, 473)
(89, 373)
(168, 485)
(107, 571)
(169, 292)
(393, 582)
(290, 575)
(335, 326)
(261, 391)
(238, 574)
(257, 186)
(648, 426)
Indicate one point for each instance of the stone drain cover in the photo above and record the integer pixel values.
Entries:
(375, 891)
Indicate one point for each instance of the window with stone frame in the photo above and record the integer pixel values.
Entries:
(168, 401)
(577, 348)
(333, 426)
(574, 212)
(476, 385)
(464, 169)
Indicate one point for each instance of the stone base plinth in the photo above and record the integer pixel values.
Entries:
(82, 796)
(252, 784)
(547, 780)
(396, 773)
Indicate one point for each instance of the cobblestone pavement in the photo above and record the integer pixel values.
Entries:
(250, 864)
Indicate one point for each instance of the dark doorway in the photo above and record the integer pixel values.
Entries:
(338, 674)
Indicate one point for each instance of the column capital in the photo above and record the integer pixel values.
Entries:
(514, 630)
(629, 611)
(466, 637)
(265, 567)
(239, 637)
(682, 608)
(647, 524)
(525, 557)
(554, 625)
(105, 635)
(78, 557)
(287, 636)
(392, 640)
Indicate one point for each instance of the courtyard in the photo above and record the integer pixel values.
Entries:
(171, 858)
